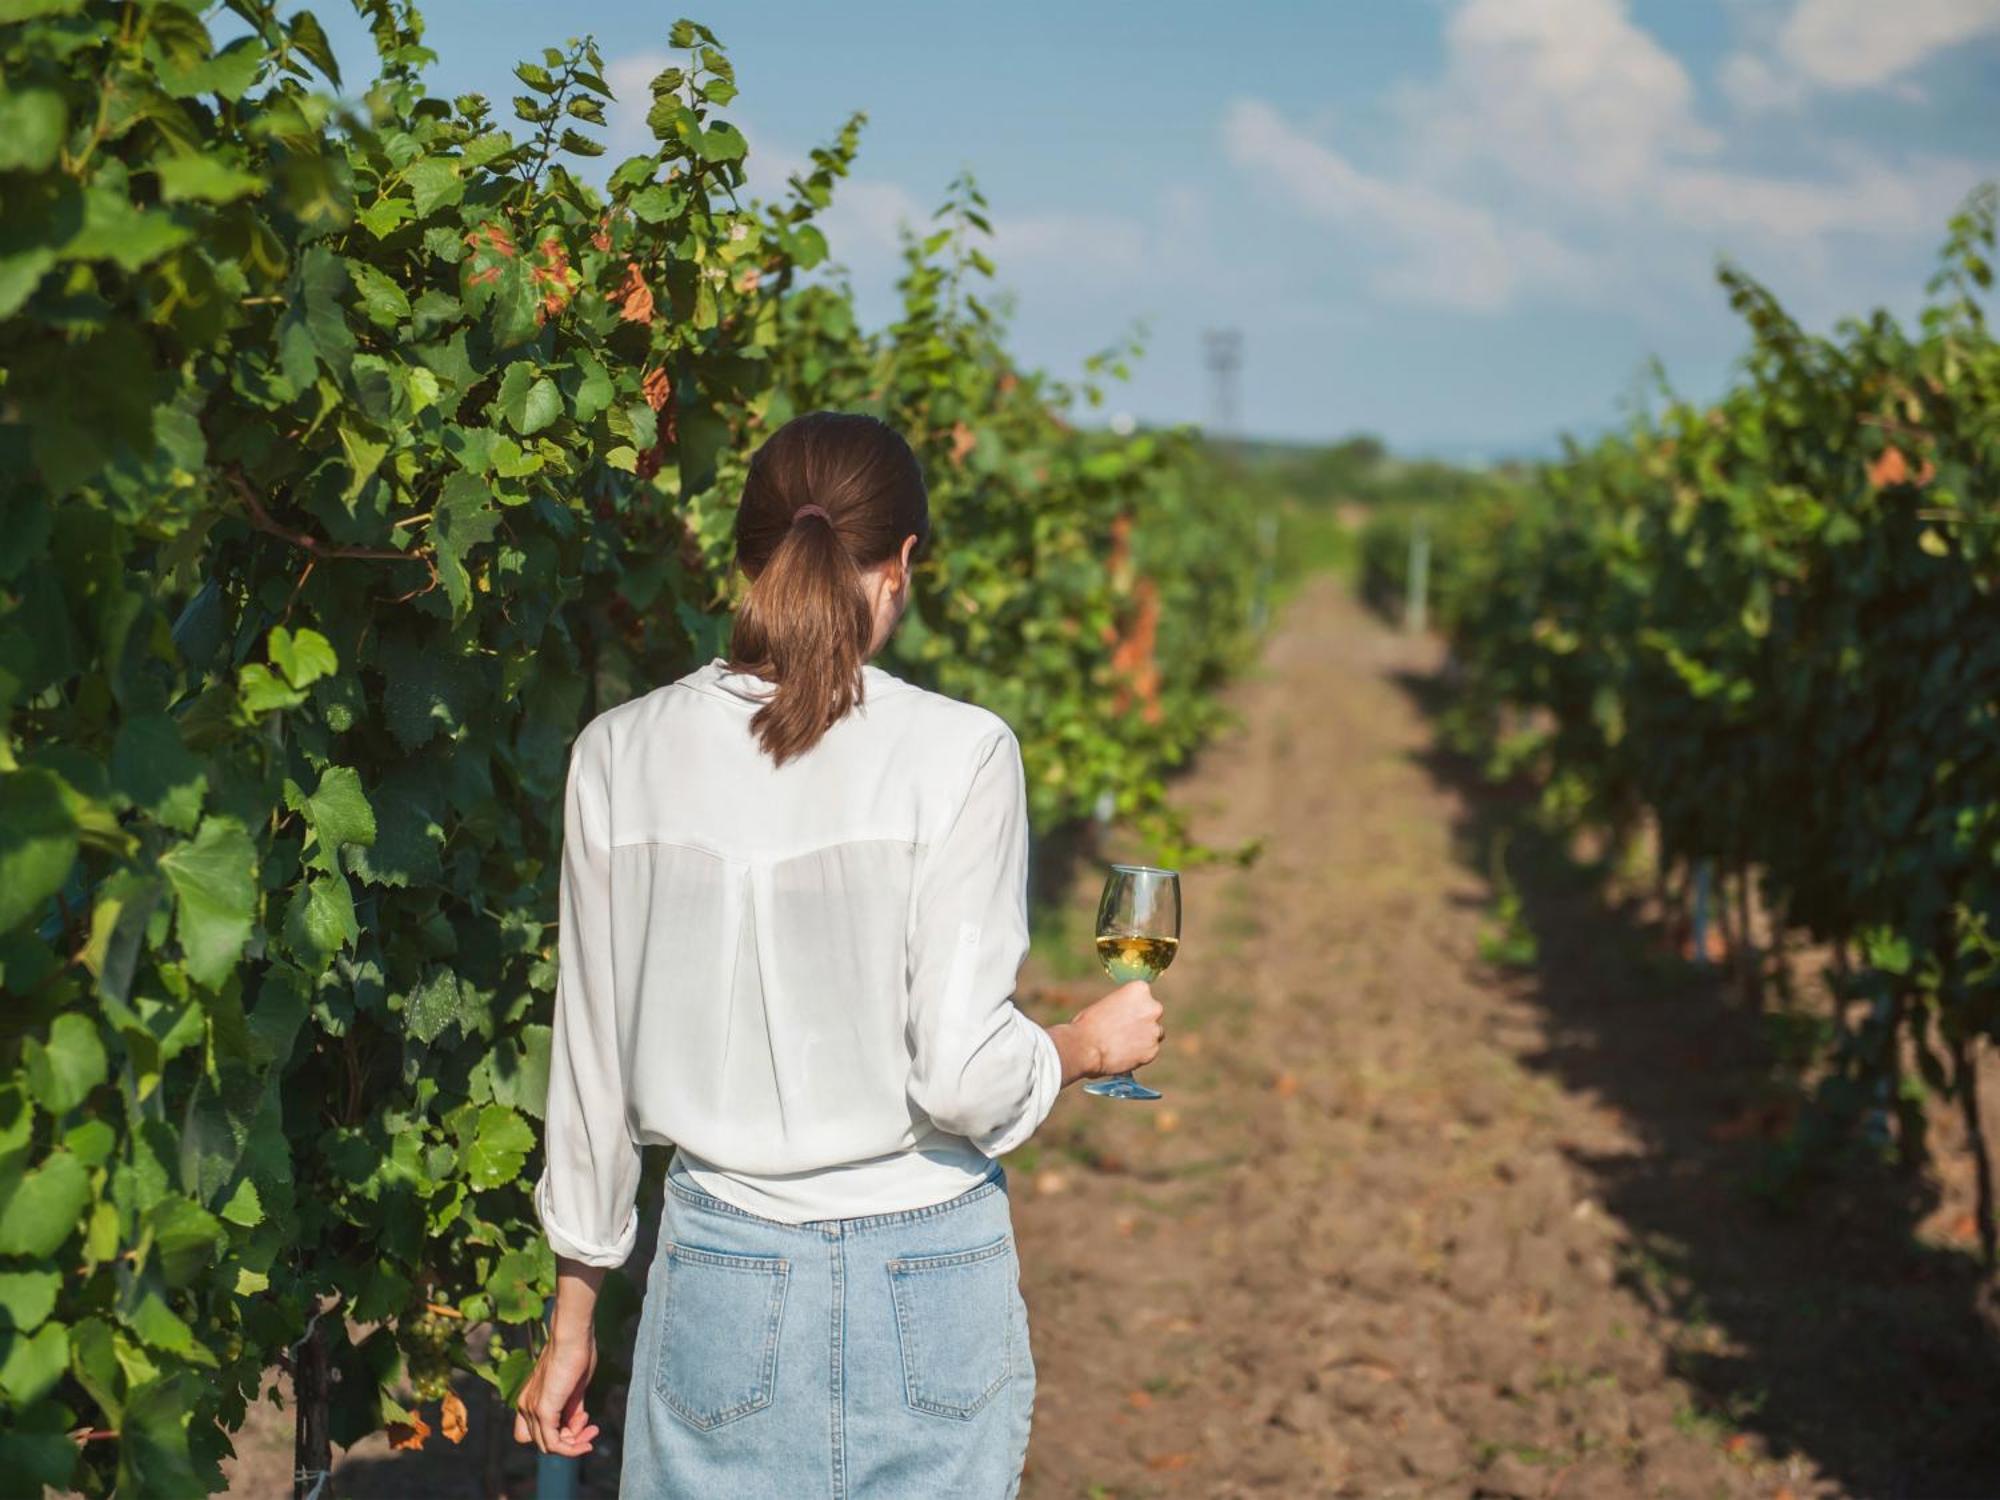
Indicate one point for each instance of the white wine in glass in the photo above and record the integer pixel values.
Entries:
(1138, 931)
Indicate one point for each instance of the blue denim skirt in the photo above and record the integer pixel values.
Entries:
(877, 1358)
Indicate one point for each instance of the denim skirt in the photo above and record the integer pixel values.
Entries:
(877, 1358)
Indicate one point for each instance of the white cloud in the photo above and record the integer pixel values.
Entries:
(1852, 44)
(1560, 127)
(1070, 239)
(1870, 197)
(1445, 251)
(1567, 89)
(1755, 87)
(625, 119)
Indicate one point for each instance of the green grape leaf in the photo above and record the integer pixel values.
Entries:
(499, 1147)
(38, 842)
(245, 1206)
(228, 73)
(41, 1456)
(262, 691)
(723, 142)
(408, 836)
(320, 921)
(203, 179)
(31, 1364)
(64, 1069)
(152, 767)
(516, 1287)
(337, 810)
(528, 402)
(304, 658)
(161, 1328)
(32, 123)
(186, 1237)
(465, 518)
(426, 691)
(313, 330)
(39, 1209)
(434, 183)
(118, 230)
(440, 1001)
(153, 1457)
(27, 1298)
(520, 1075)
(595, 391)
(214, 878)
(387, 304)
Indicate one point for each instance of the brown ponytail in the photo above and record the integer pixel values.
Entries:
(806, 625)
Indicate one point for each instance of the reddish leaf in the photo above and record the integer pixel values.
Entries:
(634, 298)
(656, 388)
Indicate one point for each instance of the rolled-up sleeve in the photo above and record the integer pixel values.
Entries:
(590, 1178)
(979, 1067)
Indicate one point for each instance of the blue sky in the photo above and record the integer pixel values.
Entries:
(1467, 225)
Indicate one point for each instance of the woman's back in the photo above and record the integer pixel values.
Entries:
(809, 965)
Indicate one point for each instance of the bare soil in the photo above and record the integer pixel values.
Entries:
(1412, 1224)
(1407, 1224)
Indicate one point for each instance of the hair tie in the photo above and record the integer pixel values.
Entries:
(811, 510)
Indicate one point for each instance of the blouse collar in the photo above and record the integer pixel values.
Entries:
(751, 688)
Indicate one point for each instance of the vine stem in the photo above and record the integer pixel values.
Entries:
(318, 547)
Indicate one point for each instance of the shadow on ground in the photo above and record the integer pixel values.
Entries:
(1817, 1320)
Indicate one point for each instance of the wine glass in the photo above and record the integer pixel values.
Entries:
(1138, 929)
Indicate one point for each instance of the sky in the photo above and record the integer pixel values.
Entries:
(1468, 226)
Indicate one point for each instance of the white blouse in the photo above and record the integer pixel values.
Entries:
(801, 976)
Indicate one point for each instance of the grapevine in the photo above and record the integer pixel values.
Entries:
(350, 460)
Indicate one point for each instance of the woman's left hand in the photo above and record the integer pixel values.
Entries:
(550, 1412)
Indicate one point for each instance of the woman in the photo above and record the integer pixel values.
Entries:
(793, 903)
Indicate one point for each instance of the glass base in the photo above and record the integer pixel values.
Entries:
(1120, 1086)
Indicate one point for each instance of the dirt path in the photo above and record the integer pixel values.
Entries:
(1406, 1226)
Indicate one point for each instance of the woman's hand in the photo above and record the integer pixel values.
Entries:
(549, 1411)
(1114, 1035)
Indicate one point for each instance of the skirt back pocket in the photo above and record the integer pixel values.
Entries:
(954, 1320)
(718, 1353)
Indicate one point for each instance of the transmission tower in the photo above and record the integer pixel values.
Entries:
(1222, 351)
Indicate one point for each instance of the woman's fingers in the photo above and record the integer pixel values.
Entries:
(548, 1423)
(556, 1432)
(521, 1433)
(568, 1444)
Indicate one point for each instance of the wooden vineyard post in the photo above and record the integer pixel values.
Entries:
(1267, 555)
(1416, 608)
(1743, 953)
(493, 1478)
(312, 1449)
(1700, 923)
